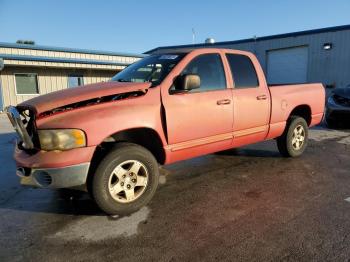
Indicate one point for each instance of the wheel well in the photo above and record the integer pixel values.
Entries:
(303, 111)
(145, 137)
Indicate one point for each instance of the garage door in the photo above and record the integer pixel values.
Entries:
(287, 66)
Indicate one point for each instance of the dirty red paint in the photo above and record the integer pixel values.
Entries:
(194, 123)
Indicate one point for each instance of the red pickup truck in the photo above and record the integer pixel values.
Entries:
(109, 138)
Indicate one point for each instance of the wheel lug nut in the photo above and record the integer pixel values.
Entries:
(128, 186)
(131, 174)
(124, 176)
(134, 180)
(122, 184)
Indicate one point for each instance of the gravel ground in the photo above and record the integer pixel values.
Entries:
(248, 204)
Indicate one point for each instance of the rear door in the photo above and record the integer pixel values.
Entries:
(201, 117)
(251, 100)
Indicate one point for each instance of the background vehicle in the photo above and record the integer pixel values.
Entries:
(338, 108)
(109, 138)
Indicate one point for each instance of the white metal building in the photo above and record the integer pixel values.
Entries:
(31, 70)
(321, 55)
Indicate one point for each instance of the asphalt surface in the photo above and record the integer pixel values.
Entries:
(248, 204)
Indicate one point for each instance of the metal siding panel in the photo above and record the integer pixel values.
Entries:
(4, 89)
(12, 89)
(63, 80)
(1, 95)
(51, 77)
(49, 80)
(41, 82)
(324, 66)
(12, 99)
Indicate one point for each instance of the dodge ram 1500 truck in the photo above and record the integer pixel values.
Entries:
(110, 138)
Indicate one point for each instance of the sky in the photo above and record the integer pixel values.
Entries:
(137, 26)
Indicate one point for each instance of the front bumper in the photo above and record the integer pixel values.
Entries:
(47, 169)
(54, 169)
(64, 177)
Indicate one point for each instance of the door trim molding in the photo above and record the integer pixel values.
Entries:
(216, 138)
(250, 131)
(199, 142)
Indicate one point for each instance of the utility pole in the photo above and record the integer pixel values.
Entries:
(255, 39)
(193, 36)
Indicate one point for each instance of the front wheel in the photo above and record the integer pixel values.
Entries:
(294, 139)
(125, 180)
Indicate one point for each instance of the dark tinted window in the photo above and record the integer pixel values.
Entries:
(243, 71)
(26, 84)
(210, 70)
(75, 80)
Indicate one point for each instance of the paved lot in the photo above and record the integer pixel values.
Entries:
(241, 205)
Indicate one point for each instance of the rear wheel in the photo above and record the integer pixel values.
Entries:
(294, 139)
(125, 180)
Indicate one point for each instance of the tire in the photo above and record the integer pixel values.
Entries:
(285, 143)
(126, 168)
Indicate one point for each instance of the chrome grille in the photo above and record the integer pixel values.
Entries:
(17, 123)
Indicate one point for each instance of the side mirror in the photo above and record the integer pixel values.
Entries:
(187, 82)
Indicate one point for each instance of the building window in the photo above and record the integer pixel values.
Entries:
(26, 84)
(75, 80)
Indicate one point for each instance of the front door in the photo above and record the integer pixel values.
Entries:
(203, 116)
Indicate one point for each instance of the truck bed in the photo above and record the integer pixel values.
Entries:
(285, 98)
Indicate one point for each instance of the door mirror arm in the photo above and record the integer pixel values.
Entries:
(186, 82)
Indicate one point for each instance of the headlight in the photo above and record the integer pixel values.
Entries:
(61, 139)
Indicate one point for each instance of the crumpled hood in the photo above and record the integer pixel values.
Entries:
(69, 96)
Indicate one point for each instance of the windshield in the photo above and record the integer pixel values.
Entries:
(152, 69)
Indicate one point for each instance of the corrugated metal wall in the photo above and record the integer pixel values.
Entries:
(330, 67)
(53, 76)
(49, 80)
(61, 54)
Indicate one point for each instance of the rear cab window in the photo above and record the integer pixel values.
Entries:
(243, 71)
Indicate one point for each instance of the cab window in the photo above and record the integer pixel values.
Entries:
(243, 71)
(210, 69)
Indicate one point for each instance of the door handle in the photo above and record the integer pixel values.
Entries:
(261, 97)
(223, 102)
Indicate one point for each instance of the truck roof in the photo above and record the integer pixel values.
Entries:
(191, 49)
